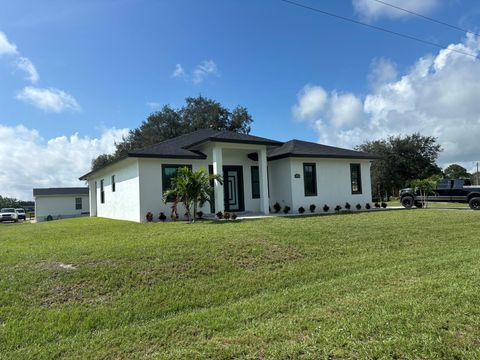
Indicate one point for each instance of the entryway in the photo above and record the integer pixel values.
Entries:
(233, 188)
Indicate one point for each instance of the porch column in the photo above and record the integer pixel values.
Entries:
(262, 167)
(92, 193)
(218, 170)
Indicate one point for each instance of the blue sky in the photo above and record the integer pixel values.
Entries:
(102, 66)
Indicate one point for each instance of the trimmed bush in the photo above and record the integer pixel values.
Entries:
(149, 216)
(338, 208)
(277, 207)
(384, 204)
(219, 215)
(286, 209)
(312, 208)
(301, 209)
(199, 214)
(377, 205)
(358, 207)
(162, 217)
(326, 208)
(226, 215)
(233, 216)
(368, 206)
(347, 206)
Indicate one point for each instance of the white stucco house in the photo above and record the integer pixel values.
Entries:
(257, 173)
(61, 203)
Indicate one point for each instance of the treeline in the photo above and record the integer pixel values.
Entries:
(6, 202)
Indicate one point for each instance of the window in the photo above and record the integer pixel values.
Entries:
(113, 183)
(169, 172)
(78, 203)
(356, 178)
(255, 182)
(102, 193)
(310, 179)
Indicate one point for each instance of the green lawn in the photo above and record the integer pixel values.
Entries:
(432, 204)
(394, 284)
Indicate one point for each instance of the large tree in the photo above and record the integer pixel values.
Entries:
(403, 159)
(197, 113)
(456, 171)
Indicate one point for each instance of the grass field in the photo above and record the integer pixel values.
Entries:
(394, 284)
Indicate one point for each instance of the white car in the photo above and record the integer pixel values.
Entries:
(21, 214)
(8, 214)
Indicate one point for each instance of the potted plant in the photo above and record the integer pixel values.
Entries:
(312, 208)
(226, 215)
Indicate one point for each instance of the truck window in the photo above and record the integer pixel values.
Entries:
(458, 184)
(443, 184)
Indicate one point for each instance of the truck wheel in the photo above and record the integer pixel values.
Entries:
(407, 202)
(474, 203)
(418, 204)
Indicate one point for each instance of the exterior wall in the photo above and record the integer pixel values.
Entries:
(59, 206)
(280, 179)
(333, 183)
(124, 203)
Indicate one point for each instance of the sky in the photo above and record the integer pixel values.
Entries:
(76, 75)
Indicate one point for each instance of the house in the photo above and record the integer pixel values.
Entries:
(257, 173)
(61, 202)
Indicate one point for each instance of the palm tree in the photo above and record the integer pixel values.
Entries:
(192, 188)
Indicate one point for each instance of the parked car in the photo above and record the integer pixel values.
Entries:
(8, 214)
(460, 191)
(21, 214)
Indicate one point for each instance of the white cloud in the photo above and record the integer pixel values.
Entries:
(437, 96)
(50, 100)
(203, 70)
(311, 101)
(20, 62)
(153, 104)
(6, 47)
(26, 65)
(36, 162)
(373, 10)
(381, 71)
(179, 71)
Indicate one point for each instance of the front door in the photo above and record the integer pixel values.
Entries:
(233, 188)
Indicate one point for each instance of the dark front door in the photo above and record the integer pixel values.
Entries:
(233, 188)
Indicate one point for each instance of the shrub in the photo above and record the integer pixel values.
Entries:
(286, 209)
(49, 218)
(199, 214)
(384, 204)
(301, 209)
(233, 216)
(149, 216)
(226, 215)
(312, 208)
(326, 208)
(338, 208)
(277, 207)
(347, 206)
(367, 206)
(162, 217)
(219, 215)
(358, 207)
(377, 205)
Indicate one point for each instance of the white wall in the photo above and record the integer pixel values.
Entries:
(124, 203)
(59, 206)
(333, 183)
(280, 178)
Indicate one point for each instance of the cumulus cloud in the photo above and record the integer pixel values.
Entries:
(373, 10)
(203, 70)
(36, 162)
(437, 96)
(311, 101)
(49, 100)
(381, 71)
(20, 62)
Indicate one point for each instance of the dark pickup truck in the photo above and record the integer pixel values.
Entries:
(460, 191)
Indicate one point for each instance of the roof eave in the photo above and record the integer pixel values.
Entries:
(232, 141)
(357, 157)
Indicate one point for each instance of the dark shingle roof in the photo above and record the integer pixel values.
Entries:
(179, 147)
(61, 191)
(298, 148)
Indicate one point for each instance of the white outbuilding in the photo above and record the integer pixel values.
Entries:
(60, 203)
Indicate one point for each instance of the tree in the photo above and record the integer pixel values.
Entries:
(403, 159)
(192, 188)
(456, 171)
(197, 113)
(425, 187)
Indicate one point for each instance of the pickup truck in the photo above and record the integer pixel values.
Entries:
(459, 191)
